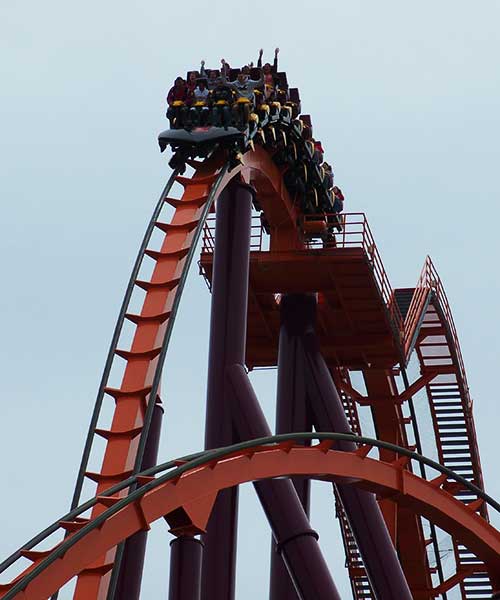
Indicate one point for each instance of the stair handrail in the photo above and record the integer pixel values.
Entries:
(430, 282)
(417, 304)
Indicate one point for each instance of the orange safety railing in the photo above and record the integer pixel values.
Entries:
(257, 235)
(429, 280)
(354, 233)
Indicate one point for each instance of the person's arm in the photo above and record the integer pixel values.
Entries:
(203, 73)
(223, 71)
(259, 62)
(275, 62)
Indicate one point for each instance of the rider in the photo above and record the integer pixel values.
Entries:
(221, 99)
(328, 180)
(338, 202)
(177, 98)
(192, 81)
(199, 103)
(245, 92)
(211, 77)
(269, 73)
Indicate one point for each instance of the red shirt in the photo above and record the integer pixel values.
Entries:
(177, 93)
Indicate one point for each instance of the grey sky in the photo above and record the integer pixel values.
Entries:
(405, 99)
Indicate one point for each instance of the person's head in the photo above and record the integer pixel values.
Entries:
(281, 96)
(318, 147)
(202, 84)
(213, 75)
(193, 76)
(266, 68)
(179, 82)
(327, 167)
(245, 70)
(242, 77)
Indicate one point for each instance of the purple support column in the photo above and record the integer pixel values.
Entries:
(185, 568)
(296, 541)
(227, 346)
(130, 578)
(364, 515)
(291, 416)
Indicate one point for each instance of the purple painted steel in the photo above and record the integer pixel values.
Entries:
(132, 563)
(185, 569)
(364, 515)
(292, 415)
(227, 346)
(296, 541)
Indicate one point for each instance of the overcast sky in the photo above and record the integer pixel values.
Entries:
(404, 97)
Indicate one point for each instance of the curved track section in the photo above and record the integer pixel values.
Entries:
(194, 484)
(431, 334)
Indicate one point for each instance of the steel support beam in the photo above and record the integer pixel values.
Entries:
(227, 346)
(405, 527)
(292, 415)
(364, 515)
(296, 542)
(185, 568)
(132, 563)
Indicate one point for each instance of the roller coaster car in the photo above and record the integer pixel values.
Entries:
(200, 136)
(314, 225)
(322, 226)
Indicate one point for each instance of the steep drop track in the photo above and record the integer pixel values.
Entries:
(365, 326)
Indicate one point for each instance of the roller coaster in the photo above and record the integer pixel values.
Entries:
(297, 285)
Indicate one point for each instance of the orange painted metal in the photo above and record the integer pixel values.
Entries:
(141, 359)
(359, 327)
(355, 325)
(195, 490)
(404, 525)
(432, 333)
(259, 170)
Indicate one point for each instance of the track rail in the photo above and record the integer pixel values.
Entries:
(201, 476)
(139, 391)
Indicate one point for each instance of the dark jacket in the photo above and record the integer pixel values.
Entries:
(221, 92)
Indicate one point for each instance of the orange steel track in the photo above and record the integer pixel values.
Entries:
(194, 490)
(362, 325)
